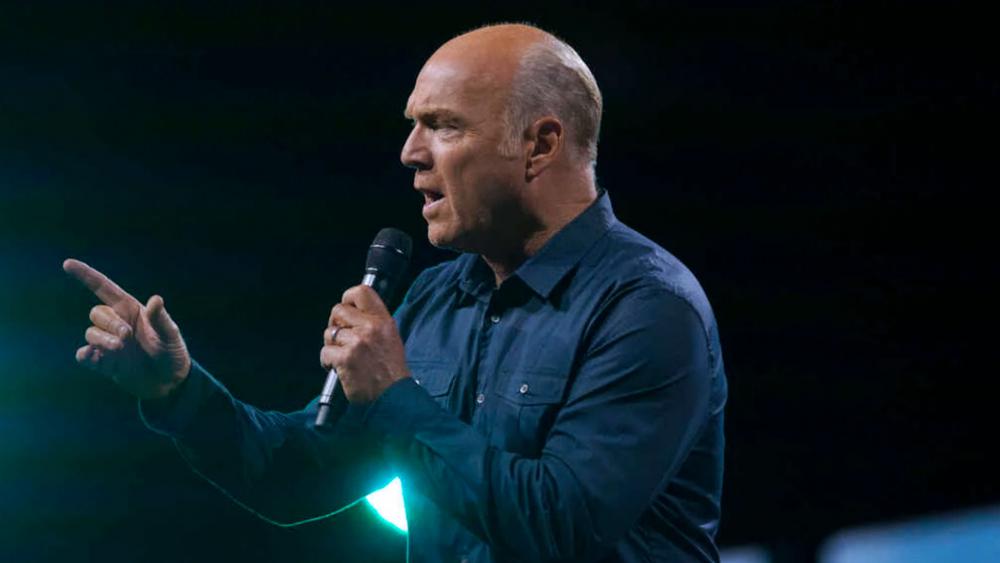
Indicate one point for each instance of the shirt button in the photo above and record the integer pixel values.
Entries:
(480, 398)
(523, 389)
(495, 318)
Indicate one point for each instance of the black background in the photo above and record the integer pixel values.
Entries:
(822, 167)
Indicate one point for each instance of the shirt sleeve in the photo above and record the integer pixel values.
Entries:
(635, 408)
(277, 465)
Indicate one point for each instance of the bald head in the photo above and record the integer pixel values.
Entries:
(537, 75)
(503, 140)
(492, 46)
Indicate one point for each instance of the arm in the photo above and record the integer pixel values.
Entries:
(636, 406)
(277, 465)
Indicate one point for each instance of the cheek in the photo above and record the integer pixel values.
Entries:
(491, 193)
(458, 171)
(478, 181)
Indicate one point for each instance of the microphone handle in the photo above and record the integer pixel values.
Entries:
(326, 397)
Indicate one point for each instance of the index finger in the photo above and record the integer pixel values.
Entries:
(105, 289)
(366, 299)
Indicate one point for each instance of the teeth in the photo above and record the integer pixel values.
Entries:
(431, 197)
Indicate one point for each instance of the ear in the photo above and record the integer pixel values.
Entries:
(545, 143)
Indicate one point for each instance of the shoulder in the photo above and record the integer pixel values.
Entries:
(647, 292)
(634, 264)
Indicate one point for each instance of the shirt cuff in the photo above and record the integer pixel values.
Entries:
(401, 410)
(173, 415)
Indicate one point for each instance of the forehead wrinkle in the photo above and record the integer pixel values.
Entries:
(458, 78)
(464, 85)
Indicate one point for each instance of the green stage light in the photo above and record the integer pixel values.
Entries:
(388, 503)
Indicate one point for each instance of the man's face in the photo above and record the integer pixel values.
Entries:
(469, 188)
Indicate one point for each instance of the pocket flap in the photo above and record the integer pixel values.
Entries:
(435, 377)
(533, 387)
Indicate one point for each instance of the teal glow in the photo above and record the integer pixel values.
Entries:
(388, 502)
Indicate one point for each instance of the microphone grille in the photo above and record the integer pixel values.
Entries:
(388, 258)
(396, 240)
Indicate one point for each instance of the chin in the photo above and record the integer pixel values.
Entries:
(440, 237)
(437, 237)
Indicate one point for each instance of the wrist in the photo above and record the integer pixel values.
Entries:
(165, 392)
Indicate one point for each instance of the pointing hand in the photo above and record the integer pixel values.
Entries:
(138, 346)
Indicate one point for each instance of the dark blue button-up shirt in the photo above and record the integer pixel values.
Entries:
(572, 414)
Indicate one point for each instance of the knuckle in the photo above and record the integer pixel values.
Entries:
(360, 338)
(364, 332)
(351, 292)
(330, 355)
(371, 332)
(99, 338)
(342, 349)
(326, 357)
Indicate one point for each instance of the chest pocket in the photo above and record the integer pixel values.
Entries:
(437, 378)
(528, 403)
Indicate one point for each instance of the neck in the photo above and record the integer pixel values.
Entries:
(553, 215)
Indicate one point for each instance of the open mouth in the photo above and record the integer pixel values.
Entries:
(431, 196)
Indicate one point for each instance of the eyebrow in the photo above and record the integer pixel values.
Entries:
(432, 112)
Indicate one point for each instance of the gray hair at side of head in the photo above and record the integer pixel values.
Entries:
(553, 80)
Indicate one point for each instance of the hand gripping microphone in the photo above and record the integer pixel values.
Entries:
(388, 257)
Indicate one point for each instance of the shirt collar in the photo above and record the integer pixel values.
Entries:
(543, 271)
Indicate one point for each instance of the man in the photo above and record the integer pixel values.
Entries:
(553, 394)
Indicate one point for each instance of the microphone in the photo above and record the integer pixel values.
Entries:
(388, 257)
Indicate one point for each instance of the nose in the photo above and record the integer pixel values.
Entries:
(415, 153)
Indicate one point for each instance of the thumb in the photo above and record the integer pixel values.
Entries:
(160, 320)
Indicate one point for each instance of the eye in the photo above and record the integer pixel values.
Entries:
(446, 126)
(438, 124)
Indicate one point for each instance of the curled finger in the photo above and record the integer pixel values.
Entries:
(340, 336)
(347, 316)
(106, 319)
(331, 357)
(88, 356)
(102, 340)
(365, 299)
(330, 335)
